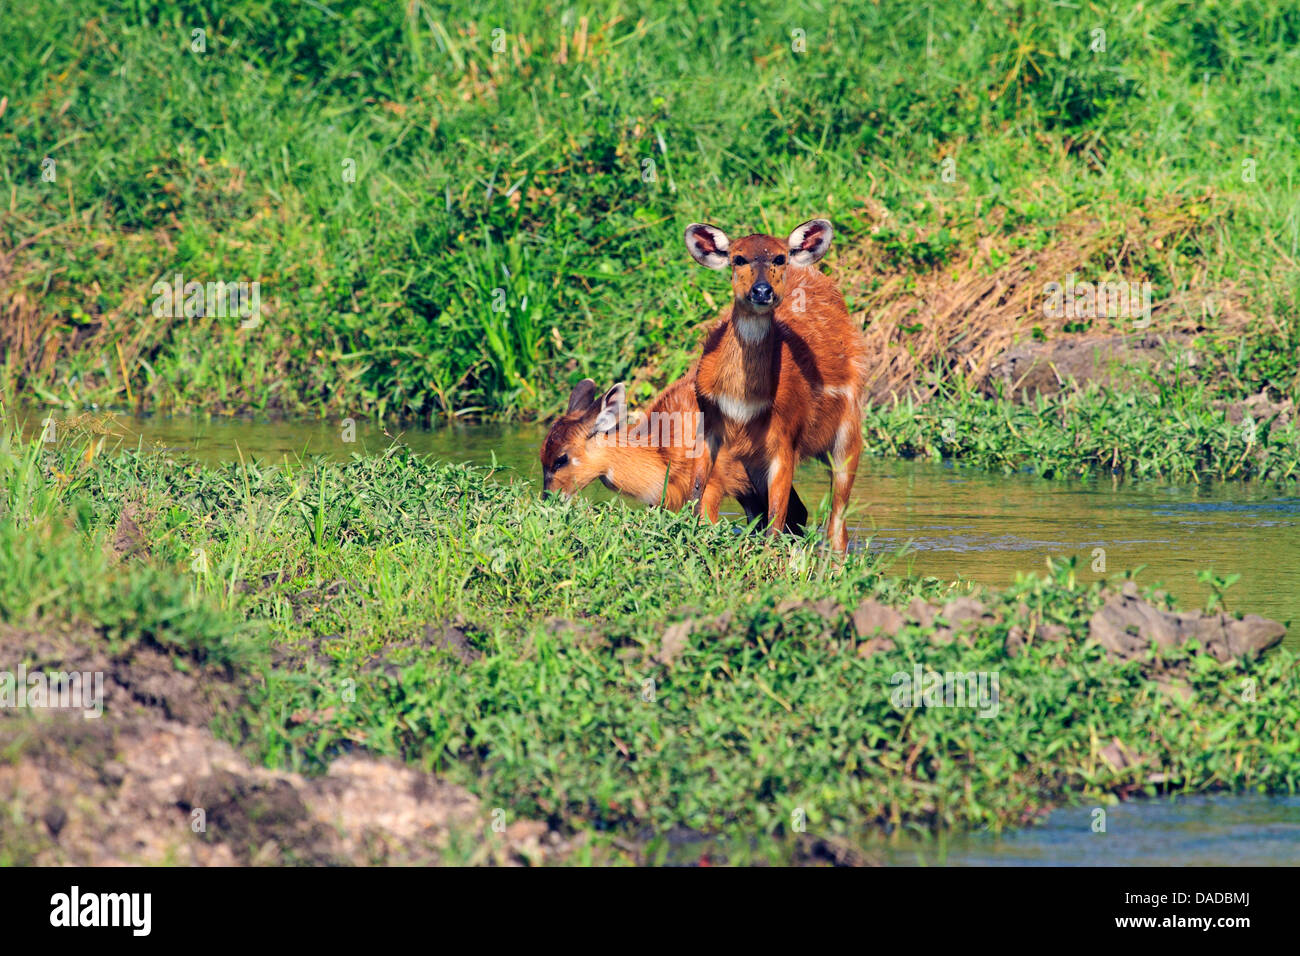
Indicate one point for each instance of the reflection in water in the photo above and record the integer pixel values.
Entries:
(953, 522)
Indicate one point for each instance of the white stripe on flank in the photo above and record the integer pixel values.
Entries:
(740, 409)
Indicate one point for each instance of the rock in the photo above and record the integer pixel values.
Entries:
(872, 618)
(877, 645)
(824, 608)
(963, 610)
(1015, 641)
(1127, 627)
(942, 636)
(921, 612)
(1051, 633)
(1253, 635)
(674, 641)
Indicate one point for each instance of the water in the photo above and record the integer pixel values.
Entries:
(1213, 830)
(949, 522)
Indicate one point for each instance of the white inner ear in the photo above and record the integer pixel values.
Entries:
(611, 410)
(607, 420)
(802, 256)
(714, 259)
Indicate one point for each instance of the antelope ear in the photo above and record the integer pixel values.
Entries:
(612, 410)
(582, 396)
(708, 245)
(809, 242)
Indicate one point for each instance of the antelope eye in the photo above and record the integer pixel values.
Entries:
(740, 261)
(779, 261)
(560, 462)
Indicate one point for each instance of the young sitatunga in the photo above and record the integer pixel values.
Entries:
(651, 457)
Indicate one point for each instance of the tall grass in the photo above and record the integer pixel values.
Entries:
(381, 168)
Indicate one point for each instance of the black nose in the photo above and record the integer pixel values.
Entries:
(760, 294)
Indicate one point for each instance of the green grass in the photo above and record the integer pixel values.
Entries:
(451, 222)
(765, 713)
(514, 223)
(1171, 434)
(55, 570)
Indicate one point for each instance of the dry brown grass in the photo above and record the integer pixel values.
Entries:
(961, 316)
(34, 338)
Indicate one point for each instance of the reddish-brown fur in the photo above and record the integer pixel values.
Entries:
(781, 378)
(637, 460)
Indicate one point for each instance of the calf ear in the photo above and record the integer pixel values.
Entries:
(708, 245)
(809, 242)
(612, 410)
(581, 397)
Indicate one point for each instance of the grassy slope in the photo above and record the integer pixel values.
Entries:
(765, 710)
(529, 170)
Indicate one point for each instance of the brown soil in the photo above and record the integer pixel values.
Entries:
(147, 783)
(1045, 368)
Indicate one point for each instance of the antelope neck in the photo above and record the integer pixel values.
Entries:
(636, 471)
(751, 327)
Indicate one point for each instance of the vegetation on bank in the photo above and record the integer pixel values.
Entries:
(1173, 434)
(458, 211)
(620, 673)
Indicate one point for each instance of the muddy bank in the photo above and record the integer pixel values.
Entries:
(148, 783)
(1028, 370)
(1127, 627)
(1033, 369)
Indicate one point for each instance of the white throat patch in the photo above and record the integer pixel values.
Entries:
(752, 330)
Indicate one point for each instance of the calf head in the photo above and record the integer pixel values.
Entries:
(576, 450)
